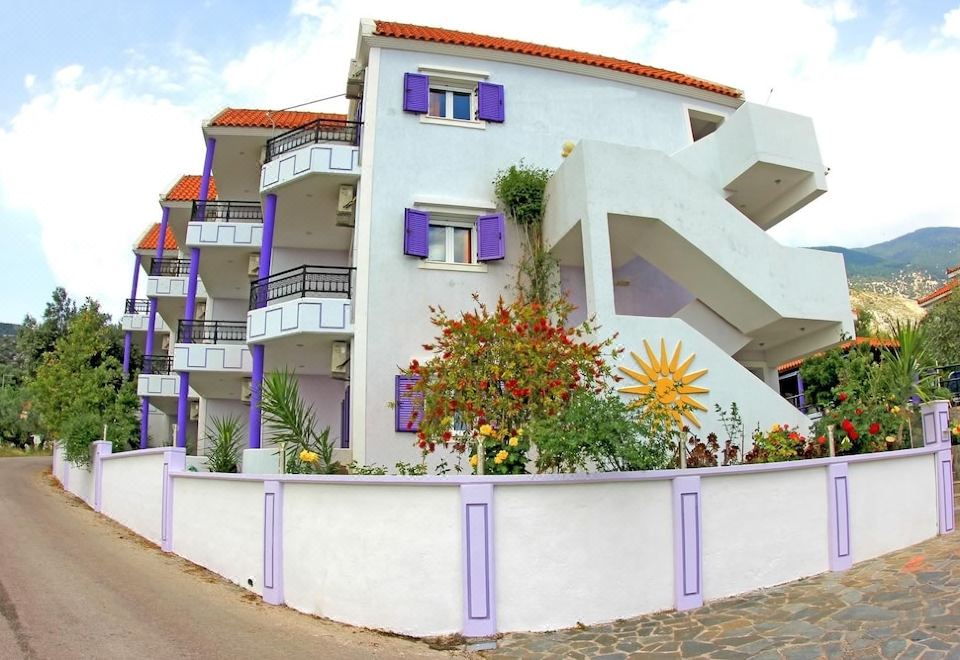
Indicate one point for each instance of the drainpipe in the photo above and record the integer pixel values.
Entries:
(257, 350)
(190, 306)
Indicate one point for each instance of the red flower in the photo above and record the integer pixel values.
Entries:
(859, 411)
(853, 435)
(447, 435)
(822, 440)
(874, 428)
(843, 396)
(847, 425)
(422, 444)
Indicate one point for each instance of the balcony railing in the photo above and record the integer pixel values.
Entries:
(303, 282)
(156, 364)
(319, 130)
(136, 306)
(217, 211)
(170, 267)
(211, 332)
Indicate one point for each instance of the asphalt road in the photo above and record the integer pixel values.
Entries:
(73, 584)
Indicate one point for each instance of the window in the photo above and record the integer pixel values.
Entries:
(451, 98)
(453, 239)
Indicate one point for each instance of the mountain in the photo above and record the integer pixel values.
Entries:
(910, 266)
(8, 329)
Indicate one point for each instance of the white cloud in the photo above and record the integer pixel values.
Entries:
(951, 24)
(29, 81)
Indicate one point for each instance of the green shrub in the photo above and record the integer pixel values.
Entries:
(223, 444)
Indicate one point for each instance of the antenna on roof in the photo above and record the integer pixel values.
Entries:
(300, 105)
(768, 96)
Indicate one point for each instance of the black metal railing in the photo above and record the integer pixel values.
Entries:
(156, 364)
(948, 377)
(136, 306)
(211, 332)
(303, 282)
(217, 211)
(169, 267)
(319, 130)
(802, 402)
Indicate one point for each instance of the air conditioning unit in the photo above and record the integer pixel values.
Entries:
(194, 411)
(246, 390)
(339, 358)
(355, 80)
(253, 265)
(346, 204)
(165, 344)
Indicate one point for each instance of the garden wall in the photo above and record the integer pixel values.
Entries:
(481, 555)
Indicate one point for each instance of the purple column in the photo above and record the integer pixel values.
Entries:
(479, 601)
(273, 542)
(257, 350)
(838, 517)
(144, 420)
(148, 350)
(133, 296)
(164, 219)
(136, 276)
(687, 543)
(126, 352)
(191, 304)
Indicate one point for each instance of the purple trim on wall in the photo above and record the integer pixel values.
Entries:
(256, 382)
(126, 351)
(174, 460)
(101, 448)
(479, 600)
(183, 409)
(838, 517)
(687, 545)
(936, 422)
(945, 490)
(144, 421)
(273, 542)
(164, 219)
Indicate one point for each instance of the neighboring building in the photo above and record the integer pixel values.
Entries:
(329, 235)
(943, 293)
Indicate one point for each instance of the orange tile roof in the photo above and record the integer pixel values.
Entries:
(440, 35)
(241, 118)
(875, 342)
(946, 288)
(149, 240)
(187, 189)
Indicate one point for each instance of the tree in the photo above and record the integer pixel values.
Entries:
(942, 327)
(865, 323)
(80, 386)
(35, 339)
(494, 371)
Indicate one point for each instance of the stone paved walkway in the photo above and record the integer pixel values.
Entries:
(902, 605)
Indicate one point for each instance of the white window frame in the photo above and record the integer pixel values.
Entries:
(449, 223)
(449, 91)
(459, 213)
(453, 80)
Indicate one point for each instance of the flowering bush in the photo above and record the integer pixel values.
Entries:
(780, 443)
(955, 434)
(496, 370)
(864, 424)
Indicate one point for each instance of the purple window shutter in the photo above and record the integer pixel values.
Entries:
(490, 241)
(416, 233)
(416, 92)
(406, 402)
(490, 101)
(345, 420)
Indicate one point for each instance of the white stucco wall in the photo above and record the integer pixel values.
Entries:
(379, 556)
(222, 408)
(235, 510)
(285, 258)
(762, 529)
(893, 504)
(227, 309)
(225, 234)
(581, 552)
(132, 491)
(80, 482)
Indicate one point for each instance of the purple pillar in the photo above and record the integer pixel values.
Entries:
(133, 296)
(191, 304)
(479, 599)
(687, 544)
(838, 517)
(126, 352)
(144, 421)
(257, 350)
(164, 218)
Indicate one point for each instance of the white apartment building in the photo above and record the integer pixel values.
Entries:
(325, 237)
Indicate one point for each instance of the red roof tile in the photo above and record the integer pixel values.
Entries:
(187, 189)
(240, 118)
(440, 35)
(875, 342)
(946, 288)
(149, 240)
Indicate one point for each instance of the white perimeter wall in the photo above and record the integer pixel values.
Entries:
(235, 510)
(373, 555)
(132, 491)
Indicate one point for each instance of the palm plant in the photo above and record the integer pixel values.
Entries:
(293, 424)
(223, 443)
(905, 373)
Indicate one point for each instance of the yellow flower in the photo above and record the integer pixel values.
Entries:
(501, 456)
(514, 441)
(486, 429)
(474, 460)
(519, 431)
(774, 428)
(308, 456)
(895, 410)
(446, 421)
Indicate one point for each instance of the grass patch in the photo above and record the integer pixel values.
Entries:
(11, 451)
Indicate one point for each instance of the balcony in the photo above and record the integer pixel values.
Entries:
(137, 306)
(327, 147)
(316, 132)
(225, 211)
(167, 267)
(300, 312)
(211, 332)
(160, 365)
(229, 233)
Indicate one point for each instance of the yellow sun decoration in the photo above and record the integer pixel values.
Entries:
(669, 380)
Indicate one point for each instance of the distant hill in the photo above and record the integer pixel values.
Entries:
(8, 329)
(910, 265)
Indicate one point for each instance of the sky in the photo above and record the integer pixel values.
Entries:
(102, 103)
